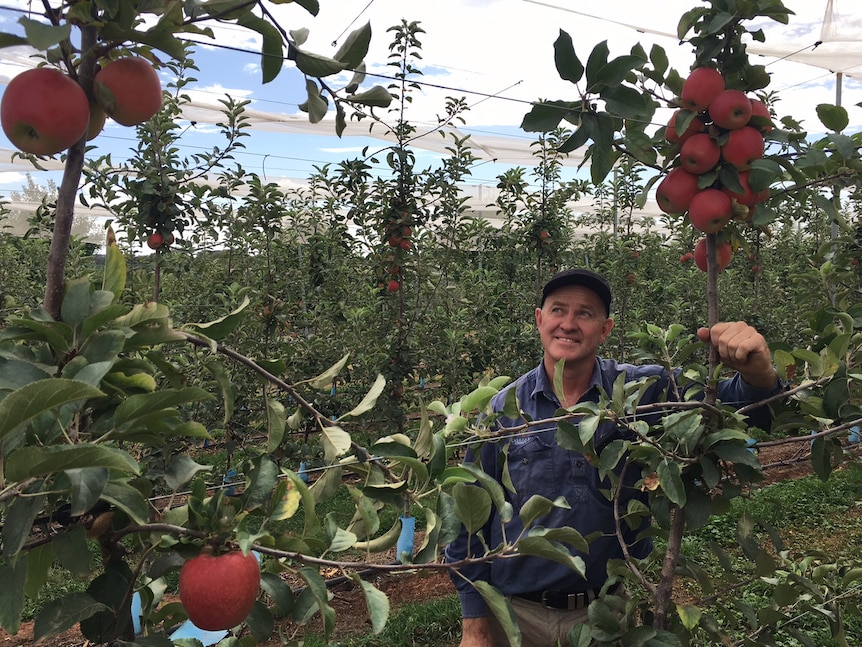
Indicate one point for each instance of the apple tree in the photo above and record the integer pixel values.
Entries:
(718, 166)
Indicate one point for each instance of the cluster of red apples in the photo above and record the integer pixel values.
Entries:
(399, 235)
(716, 128)
(44, 111)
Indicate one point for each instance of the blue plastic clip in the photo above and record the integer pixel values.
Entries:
(404, 547)
(303, 472)
(231, 491)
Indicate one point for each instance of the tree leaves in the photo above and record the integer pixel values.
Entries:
(28, 402)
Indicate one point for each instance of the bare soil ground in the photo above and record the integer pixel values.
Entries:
(782, 462)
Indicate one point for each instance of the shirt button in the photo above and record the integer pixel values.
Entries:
(524, 461)
(579, 464)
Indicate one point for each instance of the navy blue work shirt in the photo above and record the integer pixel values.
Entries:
(537, 465)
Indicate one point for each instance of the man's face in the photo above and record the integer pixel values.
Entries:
(572, 323)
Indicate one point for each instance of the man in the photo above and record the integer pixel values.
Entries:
(548, 598)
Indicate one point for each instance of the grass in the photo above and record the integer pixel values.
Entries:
(436, 622)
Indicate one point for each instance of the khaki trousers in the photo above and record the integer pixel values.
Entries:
(540, 626)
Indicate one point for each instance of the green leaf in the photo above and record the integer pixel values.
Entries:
(546, 116)
(144, 313)
(13, 575)
(536, 506)
(40, 559)
(339, 539)
(23, 405)
(478, 399)
(43, 36)
(64, 613)
(56, 333)
(275, 423)
(114, 277)
(376, 97)
(336, 441)
(316, 66)
(259, 621)
(569, 67)
(11, 40)
(613, 73)
(377, 603)
(670, 477)
(565, 534)
(494, 489)
(226, 387)
(271, 52)
(472, 506)
(355, 47)
(501, 609)
(597, 60)
(224, 326)
(279, 592)
(542, 547)
(32, 460)
(603, 155)
(833, 117)
(260, 483)
(285, 501)
(128, 499)
(311, 6)
(324, 380)
(72, 552)
(88, 483)
(370, 398)
(181, 469)
(143, 405)
(18, 521)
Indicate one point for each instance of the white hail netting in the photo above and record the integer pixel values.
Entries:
(824, 34)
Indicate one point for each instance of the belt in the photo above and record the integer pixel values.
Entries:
(569, 600)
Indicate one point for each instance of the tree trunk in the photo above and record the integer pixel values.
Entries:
(68, 191)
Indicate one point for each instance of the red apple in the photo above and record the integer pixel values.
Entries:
(731, 109)
(129, 90)
(710, 210)
(406, 244)
(218, 592)
(699, 154)
(700, 88)
(393, 286)
(155, 240)
(760, 117)
(723, 254)
(675, 191)
(696, 125)
(685, 258)
(747, 196)
(743, 146)
(96, 122)
(44, 111)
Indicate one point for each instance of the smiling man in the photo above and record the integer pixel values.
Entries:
(573, 319)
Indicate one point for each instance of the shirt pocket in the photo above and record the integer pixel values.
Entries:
(532, 469)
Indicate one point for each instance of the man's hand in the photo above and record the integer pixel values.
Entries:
(743, 349)
(476, 632)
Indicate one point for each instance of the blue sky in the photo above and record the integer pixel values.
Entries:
(496, 53)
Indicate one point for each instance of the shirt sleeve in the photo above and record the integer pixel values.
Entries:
(737, 392)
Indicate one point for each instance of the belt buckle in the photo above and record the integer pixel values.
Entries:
(577, 601)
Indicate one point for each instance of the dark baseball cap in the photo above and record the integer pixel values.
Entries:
(579, 276)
